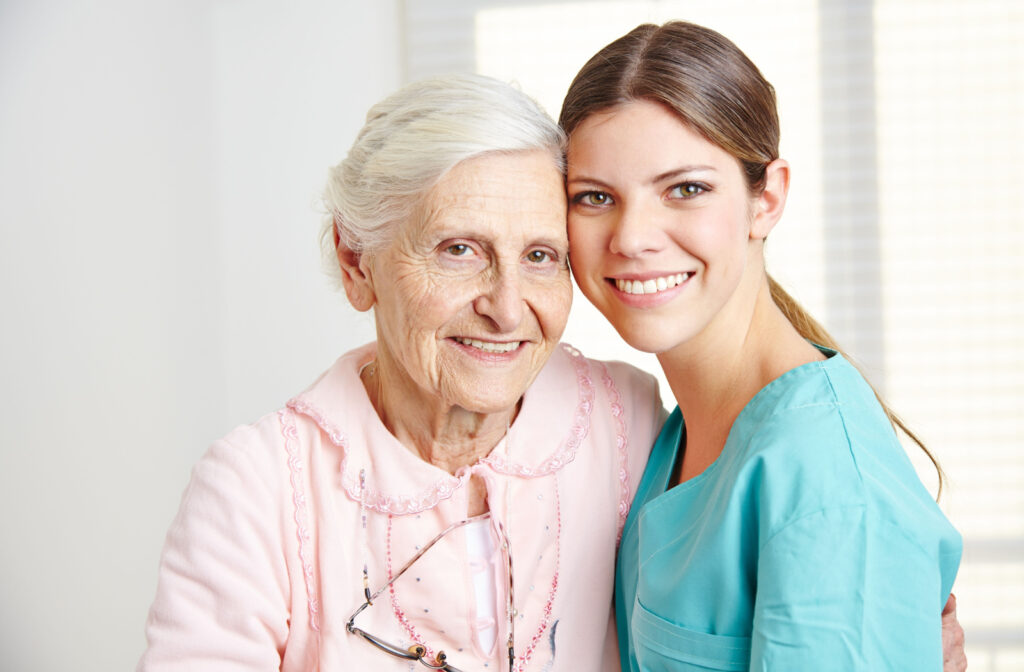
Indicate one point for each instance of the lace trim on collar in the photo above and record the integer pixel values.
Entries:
(577, 433)
(429, 497)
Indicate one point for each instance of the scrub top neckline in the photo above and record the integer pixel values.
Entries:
(832, 358)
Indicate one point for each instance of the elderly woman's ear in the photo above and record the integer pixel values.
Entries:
(355, 275)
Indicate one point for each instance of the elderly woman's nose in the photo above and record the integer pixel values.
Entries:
(501, 301)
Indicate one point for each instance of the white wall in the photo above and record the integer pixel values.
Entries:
(159, 161)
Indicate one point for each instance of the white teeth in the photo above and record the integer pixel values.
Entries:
(652, 286)
(487, 346)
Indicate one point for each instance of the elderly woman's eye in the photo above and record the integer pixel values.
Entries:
(457, 250)
(593, 198)
(538, 256)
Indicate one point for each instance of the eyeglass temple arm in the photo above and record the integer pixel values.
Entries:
(370, 598)
(509, 605)
(352, 619)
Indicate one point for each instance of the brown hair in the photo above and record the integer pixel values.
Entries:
(717, 91)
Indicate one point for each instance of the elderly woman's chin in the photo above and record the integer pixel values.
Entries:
(481, 376)
(488, 382)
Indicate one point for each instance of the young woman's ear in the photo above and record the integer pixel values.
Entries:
(355, 275)
(768, 206)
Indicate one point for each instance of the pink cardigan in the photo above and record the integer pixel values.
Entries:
(263, 564)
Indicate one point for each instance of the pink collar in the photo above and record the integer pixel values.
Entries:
(552, 423)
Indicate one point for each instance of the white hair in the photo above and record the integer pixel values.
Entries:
(415, 136)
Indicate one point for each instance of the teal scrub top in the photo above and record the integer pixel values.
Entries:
(809, 544)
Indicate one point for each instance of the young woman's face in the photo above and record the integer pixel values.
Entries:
(660, 226)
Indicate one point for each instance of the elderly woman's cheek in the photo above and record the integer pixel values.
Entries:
(553, 300)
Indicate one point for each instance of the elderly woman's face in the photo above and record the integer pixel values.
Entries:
(471, 298)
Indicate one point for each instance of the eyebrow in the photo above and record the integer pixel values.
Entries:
(684, 170)
(660, 177)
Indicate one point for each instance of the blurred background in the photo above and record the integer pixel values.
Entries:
(160, 166)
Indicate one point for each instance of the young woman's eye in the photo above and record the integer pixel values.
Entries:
(592, 198)
(687, 190)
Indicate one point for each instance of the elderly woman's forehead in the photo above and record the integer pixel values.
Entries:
(499, 175)
(464, 205)
(459, 210)
(523, 190)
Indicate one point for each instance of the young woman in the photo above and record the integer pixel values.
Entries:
(780, 526)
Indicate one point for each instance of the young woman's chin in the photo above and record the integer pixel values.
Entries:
(651, 334)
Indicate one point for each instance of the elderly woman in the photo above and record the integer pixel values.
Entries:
(453, 492)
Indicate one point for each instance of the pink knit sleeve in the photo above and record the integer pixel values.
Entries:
(642, 408)
(223, 597)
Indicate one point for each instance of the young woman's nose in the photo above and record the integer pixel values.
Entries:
(636, 232)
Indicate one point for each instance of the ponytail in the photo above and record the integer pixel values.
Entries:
(812, 330)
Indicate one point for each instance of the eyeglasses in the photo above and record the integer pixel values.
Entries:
(418, 652)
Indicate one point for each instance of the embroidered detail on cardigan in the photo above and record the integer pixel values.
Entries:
(525, 658)
(426, 499)
(578, 432)
(291, 436)
(399, 612)
(430, 496)
(622, 442)
(522, 660)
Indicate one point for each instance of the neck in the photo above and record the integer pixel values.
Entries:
(446, 435)
(715, 374)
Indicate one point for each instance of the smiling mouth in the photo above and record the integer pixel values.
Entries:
(652, 285)
(488, 346)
